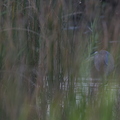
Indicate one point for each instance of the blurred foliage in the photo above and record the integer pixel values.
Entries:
(45, 72)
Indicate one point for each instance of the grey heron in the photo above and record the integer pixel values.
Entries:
(103, 63)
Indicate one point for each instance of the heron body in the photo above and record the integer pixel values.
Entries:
(103, 63)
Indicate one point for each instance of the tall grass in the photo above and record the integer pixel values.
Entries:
(45, 73)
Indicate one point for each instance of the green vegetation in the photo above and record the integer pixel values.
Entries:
(45, 72)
